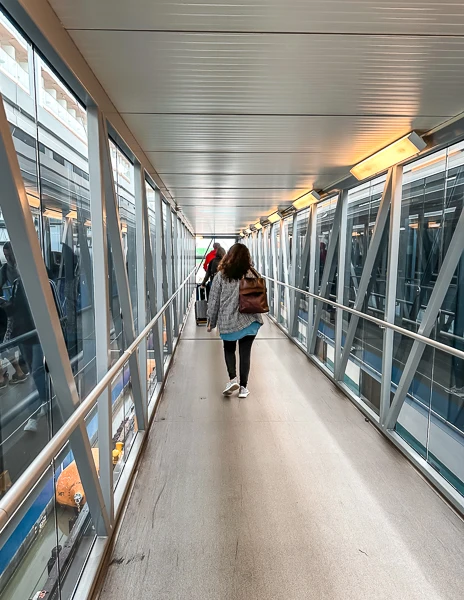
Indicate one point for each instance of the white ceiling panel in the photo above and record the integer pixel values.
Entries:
(242, 106)
(245, 163)
(151, 72)
(352, 138)
(345, 16)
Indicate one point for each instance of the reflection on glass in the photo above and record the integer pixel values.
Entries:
(46, 550)
(366, 349)
(432, 418)
(123, 174)
(124, 421)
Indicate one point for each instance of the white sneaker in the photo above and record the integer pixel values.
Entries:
(243, 392)
(232, 386)
(31, 425)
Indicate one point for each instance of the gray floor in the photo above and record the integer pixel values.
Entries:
(288, 494)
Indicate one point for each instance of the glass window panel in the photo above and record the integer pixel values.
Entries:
(66, 220)
(366, 351)
(432, 417)
(124, 422)
(124, 177)
(31, 548)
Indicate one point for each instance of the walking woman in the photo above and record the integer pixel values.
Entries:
(234, 326)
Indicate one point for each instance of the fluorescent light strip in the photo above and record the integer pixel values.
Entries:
(395, 153)
(306, 200)
(274, 217)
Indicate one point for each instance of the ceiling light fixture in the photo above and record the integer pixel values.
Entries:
(399, 151)
(274, 217)
(306, 200)
(72, 214)
(258, 225)
(248, 231)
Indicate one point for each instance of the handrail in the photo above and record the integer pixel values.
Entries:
(384, 324)
(34, 472)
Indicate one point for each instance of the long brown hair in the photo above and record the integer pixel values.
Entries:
(236, 262)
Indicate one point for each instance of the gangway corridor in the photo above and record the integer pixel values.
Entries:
(289, 494)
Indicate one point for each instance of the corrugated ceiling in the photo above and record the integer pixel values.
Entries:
(243, 105)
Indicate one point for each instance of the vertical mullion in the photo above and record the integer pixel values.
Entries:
(274, 268)
(102, 306)
(312, 249)
(390, 293)
(159, 263)
(142, 229)
(342, 249)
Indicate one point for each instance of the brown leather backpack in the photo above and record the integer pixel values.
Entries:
(253, 294)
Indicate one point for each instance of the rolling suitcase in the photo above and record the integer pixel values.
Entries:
(201, 306)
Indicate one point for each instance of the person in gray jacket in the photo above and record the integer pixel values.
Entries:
(223, 311)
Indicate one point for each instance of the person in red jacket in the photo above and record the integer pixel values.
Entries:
(211, 255)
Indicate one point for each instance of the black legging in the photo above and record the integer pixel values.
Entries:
(244, 348)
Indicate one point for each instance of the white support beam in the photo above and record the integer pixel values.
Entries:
(342, 250)
(391, 287)
(142, 228)
(102, 306)
(311, 246)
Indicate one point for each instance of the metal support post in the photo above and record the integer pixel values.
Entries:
(390, 300)
(142, 228)
(342, 250)
(284, 268)
(166, 269)
(102, 306)
(18, 220)
(274, 259)
(122, 281)
(440, 289)
(371, 257)
(159, 277)
(312, 248)
(303, 275)
(176, 272)
(171, 271)
(331, 254)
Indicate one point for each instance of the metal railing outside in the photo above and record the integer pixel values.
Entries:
(380, 322)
